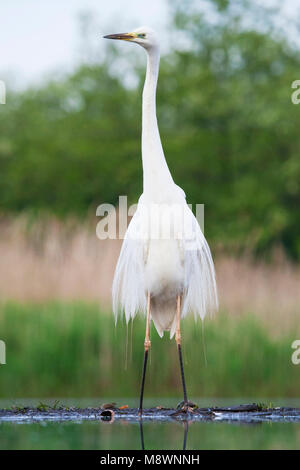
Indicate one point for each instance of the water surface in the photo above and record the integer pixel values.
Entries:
(157, 435)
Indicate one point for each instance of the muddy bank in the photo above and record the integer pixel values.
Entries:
(243, 413)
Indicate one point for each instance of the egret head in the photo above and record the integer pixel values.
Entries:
(144, 36)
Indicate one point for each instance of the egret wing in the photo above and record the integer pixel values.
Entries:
(200, 290)
(128, 292)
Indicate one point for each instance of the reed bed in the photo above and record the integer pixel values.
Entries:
(48, 259)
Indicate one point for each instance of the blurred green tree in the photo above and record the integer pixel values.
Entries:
(228, 126)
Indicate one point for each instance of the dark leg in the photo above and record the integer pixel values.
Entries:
(178, 342)
(147, 345)
(182, 374)
(143, 381)
(142, 434)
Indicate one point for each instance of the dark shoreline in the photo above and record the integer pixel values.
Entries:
(249, 413)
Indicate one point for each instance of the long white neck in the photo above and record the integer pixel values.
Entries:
(156, 173)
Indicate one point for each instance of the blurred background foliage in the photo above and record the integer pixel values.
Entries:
(231, 139)
(63, 349)
(229, 129)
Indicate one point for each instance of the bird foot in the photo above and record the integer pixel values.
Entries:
(186, 406)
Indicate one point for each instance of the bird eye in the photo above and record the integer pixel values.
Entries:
(142, 35)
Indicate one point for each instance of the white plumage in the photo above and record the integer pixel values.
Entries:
(164, 252)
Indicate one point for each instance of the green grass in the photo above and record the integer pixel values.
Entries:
(74, 350)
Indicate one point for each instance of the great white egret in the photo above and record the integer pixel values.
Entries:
(165, 267)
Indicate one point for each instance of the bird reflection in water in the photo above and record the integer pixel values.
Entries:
(186, 428)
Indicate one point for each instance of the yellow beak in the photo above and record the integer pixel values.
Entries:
(122, 36)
